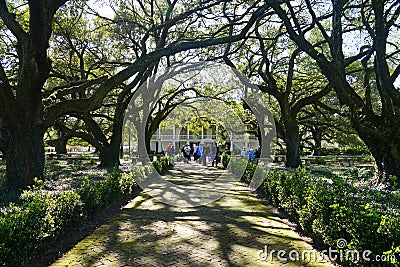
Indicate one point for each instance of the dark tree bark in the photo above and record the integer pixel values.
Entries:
(386, 152)
(109, 156)
(60, 143)
(317, 136)
(24, 152)
(292, 141)
(61, 147)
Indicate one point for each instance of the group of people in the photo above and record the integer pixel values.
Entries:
(206, 153)
(202, 153)
(251, 154)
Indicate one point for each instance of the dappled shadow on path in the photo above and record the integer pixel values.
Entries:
(229, 232)
(190, 185)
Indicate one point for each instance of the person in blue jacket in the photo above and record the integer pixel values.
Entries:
(251, 154)
(199, 151)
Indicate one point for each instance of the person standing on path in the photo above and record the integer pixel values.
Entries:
(251, 154)
(186, 153)
(199, 150)
(169, 147)
(195, 155)
(216, 156)
(203, 159)
(243, 153)
(171, 151)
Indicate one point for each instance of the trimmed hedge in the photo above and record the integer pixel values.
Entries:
(162, 164)
(225, 159)
(24, 229)
(333, 209)
(42, 216)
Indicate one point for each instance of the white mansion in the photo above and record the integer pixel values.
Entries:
(180, 136)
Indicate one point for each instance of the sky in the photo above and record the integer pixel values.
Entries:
(102, 7)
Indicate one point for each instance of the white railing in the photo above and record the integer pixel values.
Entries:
(166, 137)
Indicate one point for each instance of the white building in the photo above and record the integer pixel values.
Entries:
(180, 136)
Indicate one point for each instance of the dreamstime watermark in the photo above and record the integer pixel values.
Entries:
(190, 80)
(341, 254)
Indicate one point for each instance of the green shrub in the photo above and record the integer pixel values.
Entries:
(142, 173)
(95, 194)
(178, 157)
(162, 164)
(358, 174)
(237, 167)
(128, 184)
(393, 182)
(43, 215)
(355, 151)
(225, 158)
(92, 161)
(332, 209)
(367, 158)
(319, 161)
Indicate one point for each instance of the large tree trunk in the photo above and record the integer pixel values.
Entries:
(292, 139)
(61, 143)
(317, 136)
(109, 156)
(61, 146)
(23, 133)
(292, 145)
(147, 139)
(22, 120)
(387, 158)
(24, 151)
(143, 153)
